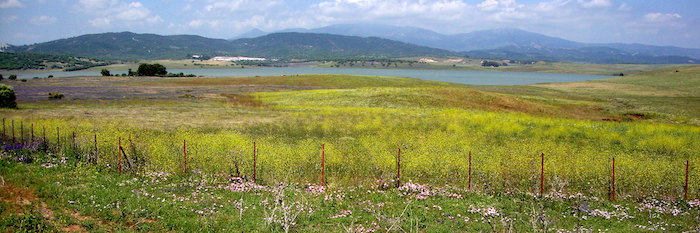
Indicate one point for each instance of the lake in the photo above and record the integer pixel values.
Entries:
(455, 76)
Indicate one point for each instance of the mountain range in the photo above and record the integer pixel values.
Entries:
(284, 46)
(360, 41)
(485, 39)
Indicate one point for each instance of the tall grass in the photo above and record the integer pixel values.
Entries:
(362, 128)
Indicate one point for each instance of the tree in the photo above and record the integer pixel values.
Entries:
(7, 97)
(151, 70)
(105, 72)
(12, 77)
(1, 77)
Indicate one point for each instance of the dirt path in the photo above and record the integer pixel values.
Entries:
(20, 201)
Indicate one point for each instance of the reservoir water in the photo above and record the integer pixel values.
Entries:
(455, 76)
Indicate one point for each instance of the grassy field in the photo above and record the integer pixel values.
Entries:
(648, 122)
(545, 67)
(438, 64)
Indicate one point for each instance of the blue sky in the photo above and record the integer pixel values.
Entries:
(657, 22)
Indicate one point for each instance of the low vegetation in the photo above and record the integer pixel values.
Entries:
(361, 122)
(7, 97)
(24, 61)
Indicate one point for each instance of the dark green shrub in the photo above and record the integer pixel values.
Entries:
(151, 70)
(105, 72)
(12, 77)
(7, 97)
(55, 95)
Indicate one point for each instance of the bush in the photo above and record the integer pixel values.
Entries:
(56, 95)
(25, 80)
(105, 72)
(1, 77)
(7, 97)
(151, 70)
(12, 77)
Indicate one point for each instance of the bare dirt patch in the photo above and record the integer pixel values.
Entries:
(74, 228)
(17, 197)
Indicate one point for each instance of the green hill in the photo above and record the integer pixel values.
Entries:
(328, 46)
(132, 46)
(18, 61)
(598, 55)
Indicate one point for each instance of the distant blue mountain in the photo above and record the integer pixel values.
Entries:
(515, 41)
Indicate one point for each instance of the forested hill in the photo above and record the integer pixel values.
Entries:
(132, 46)
(327, 46)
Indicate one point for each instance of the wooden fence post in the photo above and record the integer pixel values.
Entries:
(612, 189)
(32, 138)
(469, 173)
(184, 154)
(542, 176)
(21, 132)
(685, 188)
(58, 139)
(74, 145)
(3, 130)
(398, 168)
(255, 162)
(97, 151)
(43, 128)
(119, 157)
(13, 132)
(323, 165)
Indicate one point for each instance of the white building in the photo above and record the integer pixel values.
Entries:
(239, 58)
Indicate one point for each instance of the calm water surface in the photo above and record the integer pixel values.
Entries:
(455, 76)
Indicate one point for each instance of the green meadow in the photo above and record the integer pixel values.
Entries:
(647, 122)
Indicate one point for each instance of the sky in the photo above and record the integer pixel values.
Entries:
(654, 22)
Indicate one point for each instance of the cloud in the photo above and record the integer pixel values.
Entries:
(100, 22)
(43, 20)
(115, 12)
(9, 19)
(492, 5)
(392, 10)
(661, 17)
(226, 7)
(11, 3)
(595, 3)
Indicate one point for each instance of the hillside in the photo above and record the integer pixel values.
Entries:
(327, 46)
(518, 44)
(17, 61)
(132, 46)
(600, 55)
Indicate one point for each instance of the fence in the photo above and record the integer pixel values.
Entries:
(144, 153)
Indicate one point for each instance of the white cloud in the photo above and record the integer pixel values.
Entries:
(133, 11)
(229, 6)
(9, 19)
(595, 3)
(115, 12)
(624, 7)
(100, 22)
(43, 20)
(492, 5)
(11, 3)
(95, 5)
(661, 17)
(340, 10)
